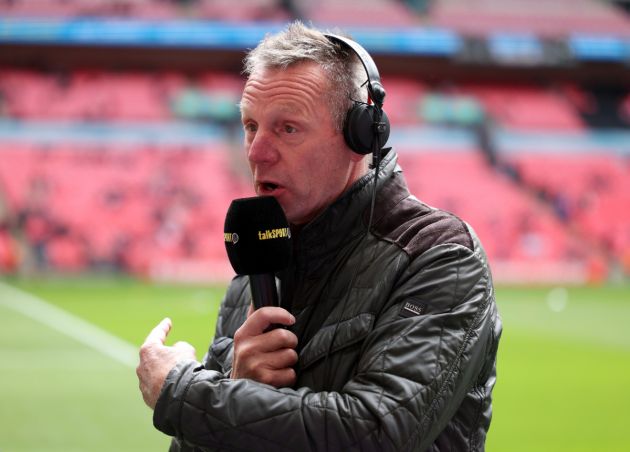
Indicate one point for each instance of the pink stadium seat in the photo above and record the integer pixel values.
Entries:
(511, 223)
(67, 253)
(548, 18)
(526, 107)
(168, 203)
(361, 12)
(594, 186)
(244, 10)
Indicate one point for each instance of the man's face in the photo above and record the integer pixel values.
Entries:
(294, 150)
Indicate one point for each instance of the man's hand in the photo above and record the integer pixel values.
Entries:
(156, 360)
(265, 356)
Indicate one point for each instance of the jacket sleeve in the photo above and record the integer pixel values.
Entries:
(231, 314)
(412, 374)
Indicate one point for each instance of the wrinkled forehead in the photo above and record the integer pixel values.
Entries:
(303, 82)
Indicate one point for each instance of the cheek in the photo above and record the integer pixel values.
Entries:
(320, 168)
(327, 179)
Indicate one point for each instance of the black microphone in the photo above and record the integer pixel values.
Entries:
(258, 243)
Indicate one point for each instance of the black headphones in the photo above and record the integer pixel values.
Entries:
(366, 128)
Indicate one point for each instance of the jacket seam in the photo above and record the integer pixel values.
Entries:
(340, 345)
(452, 367)
(183, 400)
(456, 361)
(241, 429)
(472, 438)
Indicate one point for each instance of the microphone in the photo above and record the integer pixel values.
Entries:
(258, 243)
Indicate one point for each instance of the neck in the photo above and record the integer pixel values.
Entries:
(358, 170)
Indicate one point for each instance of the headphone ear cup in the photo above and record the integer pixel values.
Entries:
(358, 130)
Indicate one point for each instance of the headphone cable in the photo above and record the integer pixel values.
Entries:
(376, 163)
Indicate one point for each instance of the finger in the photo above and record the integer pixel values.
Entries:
(250, 347)
(281, 359)
(280, 338)
(279, 378)
(262, 318)
(159, 333)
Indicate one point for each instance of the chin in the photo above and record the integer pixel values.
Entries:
(292, 217)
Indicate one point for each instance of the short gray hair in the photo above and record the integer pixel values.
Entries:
(298, 44)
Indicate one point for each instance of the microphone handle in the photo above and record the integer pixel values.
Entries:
(264, 292)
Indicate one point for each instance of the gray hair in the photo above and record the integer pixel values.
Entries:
(298, 44)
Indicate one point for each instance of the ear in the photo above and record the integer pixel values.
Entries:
(360, 162)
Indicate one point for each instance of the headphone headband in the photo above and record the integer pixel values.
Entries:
(366, 127)
(375, 87)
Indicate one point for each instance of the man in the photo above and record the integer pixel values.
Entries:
(391, 333)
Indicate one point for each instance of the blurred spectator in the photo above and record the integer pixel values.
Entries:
(35, 222)
(8, 245)
(8, 250)
(419, 6)
(292, 8)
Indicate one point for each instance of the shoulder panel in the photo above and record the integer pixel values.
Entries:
(414, 226)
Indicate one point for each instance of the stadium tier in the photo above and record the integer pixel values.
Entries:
(526, 106)
(541, 17)
(90, 198)
(119, 208)
(556, 18)
(137, 96)
(148, 9)
(103, 96)
(587, 189)
(131, 170)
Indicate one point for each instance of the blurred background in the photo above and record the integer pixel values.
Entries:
(121, 149)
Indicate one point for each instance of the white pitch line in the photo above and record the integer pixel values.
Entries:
(68, 324)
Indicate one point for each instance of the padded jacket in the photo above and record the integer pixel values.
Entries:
(398, 332)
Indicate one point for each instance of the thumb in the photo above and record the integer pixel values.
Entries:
(159, 333)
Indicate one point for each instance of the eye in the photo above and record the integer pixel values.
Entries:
(289, 129)
(250, 127)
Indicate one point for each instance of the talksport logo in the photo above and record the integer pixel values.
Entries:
(230, 237)
(279, 233)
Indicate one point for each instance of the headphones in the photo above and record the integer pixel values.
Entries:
(366, 128)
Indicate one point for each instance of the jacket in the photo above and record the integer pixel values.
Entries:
(398, 333)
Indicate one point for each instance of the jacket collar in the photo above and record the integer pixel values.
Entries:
(341, 222)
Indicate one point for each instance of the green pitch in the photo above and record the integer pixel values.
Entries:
(562, 386)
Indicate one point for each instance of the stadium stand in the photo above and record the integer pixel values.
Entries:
(372, 13)
(588, 190)
(512, 224)
(526, 106)
(540, 17)
(135, 208)
(224, 10)
(81, 206)
(98, 169)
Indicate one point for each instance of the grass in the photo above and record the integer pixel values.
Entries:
(130, 309)
(562, 374)
(59, 395)
(563, 370)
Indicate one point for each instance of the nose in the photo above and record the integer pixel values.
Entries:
(262, 149)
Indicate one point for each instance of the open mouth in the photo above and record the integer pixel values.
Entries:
(268, 187)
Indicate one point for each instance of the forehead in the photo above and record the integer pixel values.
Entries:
(296, 87)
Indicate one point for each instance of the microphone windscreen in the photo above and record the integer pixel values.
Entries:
(257, 236)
